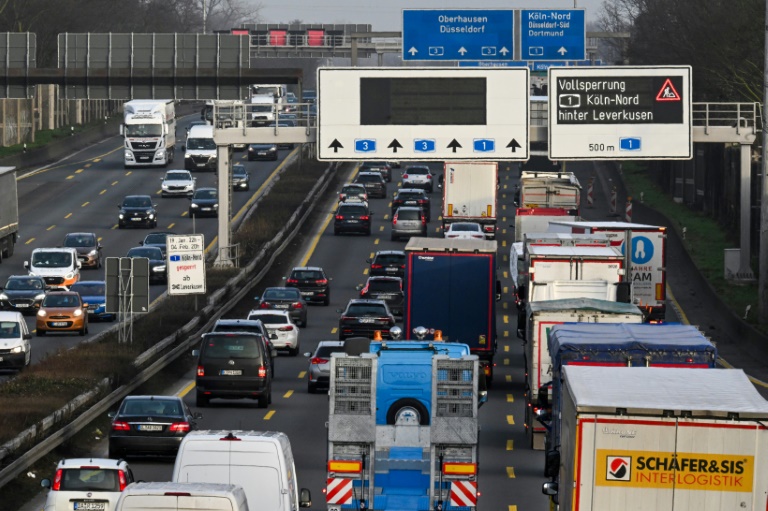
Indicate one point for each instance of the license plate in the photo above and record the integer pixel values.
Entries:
(262, 154)
(392, 270)
(353, 221)
(22, 305)
(410, 203)
(367, 320)
(150, 427)
(205, 209)
(135, 219)
(201, 164)
(90, 506)
(59, 323)
(231, 372)
(281, 306)
(307, 293)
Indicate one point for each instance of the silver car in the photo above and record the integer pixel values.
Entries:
(177, 183)
(418, 176)
(408, 221)
(319, 373)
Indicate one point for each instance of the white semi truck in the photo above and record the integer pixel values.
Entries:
(9, 212)
(469, 194)
(149, 128)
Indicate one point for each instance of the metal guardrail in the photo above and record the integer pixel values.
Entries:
(746, 118)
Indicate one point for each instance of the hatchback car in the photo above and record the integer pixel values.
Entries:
(283, 332)
(177, 183)
(88, 248)
(251, 326)
(262, 152)
(387, 262)
(364, 317)
(15, 341)
(241, 179)
(287, 299)
(408, 221)
(352, 217)
(23, 293)
(62, 311)
(158, 269)
(205, 202)
(94, 293)
(233, 365)
(312, 282)
(137, 210)
(381, 167)
(150, 426)
(412, 197)
(418, 176)
(319, 372)
(374, 184)
(387, 289)
(156, 239)
(353, 190)
(87, 483)
(465, 231)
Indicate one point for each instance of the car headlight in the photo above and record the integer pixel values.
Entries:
(69, 275)
(93, 253)
(128, 155)
(120, 216)
(187, 156)
(250, 149)
(151, 216)
(164, 186)
(32, 274)
(41, 313)
(159, 268)
(78, 312)
(38, 298)
(17, 349)
(193, 205)
(272, 149)
(215, 205)
(3, 296)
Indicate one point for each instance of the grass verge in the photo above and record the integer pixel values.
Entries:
(44, 137)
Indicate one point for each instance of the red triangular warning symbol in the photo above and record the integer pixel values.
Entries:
(668, 92)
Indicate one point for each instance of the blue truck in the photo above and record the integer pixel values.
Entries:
(451, 285)
(619, 345)
(403, 427)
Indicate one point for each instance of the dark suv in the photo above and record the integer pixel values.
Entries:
(381, 167)
(362, 318)
(314, 285)
(388, 262)
(412, 197)
(352, 217)
(137, 210)
(233, 366)
(373, 183)
(387, 289)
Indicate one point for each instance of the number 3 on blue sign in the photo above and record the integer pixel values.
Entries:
(365, 145)
(424, 145)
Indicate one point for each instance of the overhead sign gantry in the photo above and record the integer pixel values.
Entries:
(423, 113)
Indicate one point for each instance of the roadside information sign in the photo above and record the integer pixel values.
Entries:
(553, 34)
(423, 113)
(186, 264)
(615, 113)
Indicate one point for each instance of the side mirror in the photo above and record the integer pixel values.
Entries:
(195, 353)
(85, 305)
(330, 278)
(549, 488)
(27, 337)
(122, 129)
(26, 264)
(285, 278)
(141, 243)
(154, 205)
(111, 415)
(79, 264)
(256, 298)
(358, 287)
(543, 396)
(624, 292)
(369, 260)
(45, 483)
(184, 147)
(305, 498)
(119, 206)
(498, 290)
(339, 311)
(308, 354)
(552, 463)
(273, 351)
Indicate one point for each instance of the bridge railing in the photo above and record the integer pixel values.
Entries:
(745, 118)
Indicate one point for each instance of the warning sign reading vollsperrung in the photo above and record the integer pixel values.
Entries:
(186, 264)
(620, 113)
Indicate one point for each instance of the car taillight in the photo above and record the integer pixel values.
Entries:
(346, 318)
(200, 371)
(179, 427)
(405, 176)
(377, 266)
(57, 480)
(265, 305)
(422, 201)
(321, 282)
(122, 480)
(297, 305)
(364, 291)
(292, 281)
(364, 217)
(423, 220)
(262, 372)
(121, 426)
(318, 360)
(286, 328)
(394, 220)
(339, 217)
(451, 235)
(429, 176)
(489, 228)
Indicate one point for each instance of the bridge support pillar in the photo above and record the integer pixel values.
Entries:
(745, 273)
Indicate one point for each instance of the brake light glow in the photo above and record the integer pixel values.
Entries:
(292, 281)
(265, 305)
(286, 328)
(377, 266)
(200, 371)
(262, 372)
(423, 220)
(459, 469)
(122, 480)
(364, 290)
(394, 220)
(321, 282)
(179, 427)
(57, 480)
(339, 217)
(405, 176)
(364, 217)
(121, 426)
(318, 360)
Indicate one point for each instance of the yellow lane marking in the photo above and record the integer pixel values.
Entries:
(51, 227)
(158, 192)
(511, 420)
(506, 289)
(372, 254)
(503, 243)
(302, 374)
(114, 183)
(129, 173)
(84, 204)
(87, 165)
(69, 215)
(171, 225)
(365, 271)
(510, 398)
(504, 195)
(506, 361)
(437, 229)
(381, 228)
(506, 349)
(376, 241)
(506, 319)
(506, 258)
(78, 171)
(70, 176)
(390, 205)
(505, 186)
(506, 275)
(288, 394)
(335, 330)
(510, 445)
(30, 240)
(508, 378)
(102, 192)
(186, 390)
(504, 305)
(511, 472)
(36, 172)
(512, 508)
(386, 217)
(185, 213)
(503, 219)
(114, 227)
(97, 160)
(99, 238)
(503, 231)
(269, 415)
(503, 206)
(506, 333)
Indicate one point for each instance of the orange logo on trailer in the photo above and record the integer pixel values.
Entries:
(681, 471)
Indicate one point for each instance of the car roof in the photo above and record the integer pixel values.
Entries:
(412, 190)
(151, 396)
(390, 252)
(417, 167)
(207, 188)
(91, 462)
(364, 301)
(11, 316)
(464, 223)
(264, 312)
(25, 277)
(80, 234)
(369, 174)
(246, 322)
(408, 208)
(354, 185)
(178, 170)
(354, 203)
(90, 282)
(159, 232)
(137, 196)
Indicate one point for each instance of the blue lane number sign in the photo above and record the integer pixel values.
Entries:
(424, 145)
(365, 145)
(629, 144)
(484, 145)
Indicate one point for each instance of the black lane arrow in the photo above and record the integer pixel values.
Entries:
(514, 144)
(454, 145)
(394, 145)
(335, 145)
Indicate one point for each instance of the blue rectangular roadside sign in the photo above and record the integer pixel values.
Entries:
(458, 34)
(552, 34)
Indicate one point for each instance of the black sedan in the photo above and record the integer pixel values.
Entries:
(312, 282)
(150, 426)
(262, 152)
(205, 202)
(157, 266)
(412, 197)
(387, 289)
(362, 318)
(287, 299)
(241, 179)
(23, 293)
(137, 210)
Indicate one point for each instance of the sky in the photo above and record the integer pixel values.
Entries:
(386, 15)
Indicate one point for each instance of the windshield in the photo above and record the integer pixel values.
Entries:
(409, 196)
(352, 210)
(201, 144)
(465, 227)
(205, 194)
(137, 202)
(384, 286)
(61, 300)
(270, 319)
(261, 108)
(23, 284)
(325, 351)
(89, 289)
(281, 294)
(51, 259)
(80, 240)
(9, 330)
(417, 170)
(155, 239)
(89, 480)
(365, 310)
(393, 259)
(260, 90)
(231, 346)
(368, 178)
(143, 130)
(156, 407)
(177, 176)
(148, 252)
(408, 214)
(238, 170)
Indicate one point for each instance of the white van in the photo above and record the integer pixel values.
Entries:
(182, 497)
(15, 344)
(261, 462)
(59, 267)
(200, 149)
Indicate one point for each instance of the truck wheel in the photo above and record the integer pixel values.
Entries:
(410, 406)
(9, 250)
(202, 400)
(263, 401)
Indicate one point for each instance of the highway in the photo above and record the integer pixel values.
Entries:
(81, 193)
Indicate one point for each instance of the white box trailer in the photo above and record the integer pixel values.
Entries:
(647, 270)
(469, 194)
(550, 190)
(538, 220)
(541, 316)
(9, 212)
(660, 439)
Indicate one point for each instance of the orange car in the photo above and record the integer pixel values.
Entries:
(62, 311)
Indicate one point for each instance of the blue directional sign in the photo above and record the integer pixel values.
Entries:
(365, 145)
(424, 145)
(552, 34)
(630, 144)
(484, 145)
(466, 34)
